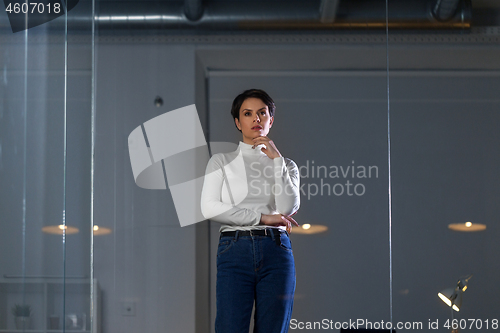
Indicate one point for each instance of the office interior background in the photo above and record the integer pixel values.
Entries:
(395, 132)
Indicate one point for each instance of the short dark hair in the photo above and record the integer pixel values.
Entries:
(251, 93)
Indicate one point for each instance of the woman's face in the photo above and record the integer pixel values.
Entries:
(255, 119)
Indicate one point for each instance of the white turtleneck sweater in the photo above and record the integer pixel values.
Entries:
(242, 185)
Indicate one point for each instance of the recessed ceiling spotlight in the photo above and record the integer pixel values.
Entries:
(158, 101)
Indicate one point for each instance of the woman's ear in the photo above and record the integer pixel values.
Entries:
(237, 122)
(271, 122)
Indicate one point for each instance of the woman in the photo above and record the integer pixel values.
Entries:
(253, 192)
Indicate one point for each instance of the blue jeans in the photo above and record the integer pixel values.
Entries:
(255, 268)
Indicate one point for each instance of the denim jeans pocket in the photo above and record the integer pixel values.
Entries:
(224, 245)
(285, 242)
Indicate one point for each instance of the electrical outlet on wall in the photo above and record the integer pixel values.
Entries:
(128, 308)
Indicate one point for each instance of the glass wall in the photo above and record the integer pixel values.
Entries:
(445, 186)
(45, 163)
(394, 133)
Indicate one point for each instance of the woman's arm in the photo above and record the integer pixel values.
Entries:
(279, 220)
(286, 177)
(287, 189)
(212, 206)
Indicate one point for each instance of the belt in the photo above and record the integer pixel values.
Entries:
(257, 232)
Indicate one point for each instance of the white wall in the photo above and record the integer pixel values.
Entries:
(148, 259)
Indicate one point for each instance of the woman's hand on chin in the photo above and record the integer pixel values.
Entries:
(279, 220)
(271, 151)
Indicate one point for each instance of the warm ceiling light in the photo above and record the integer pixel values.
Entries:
(100, 231)
(309, 229)
(467, 226)
(60, 229)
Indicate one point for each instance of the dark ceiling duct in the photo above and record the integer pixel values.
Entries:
(193, 9)
(218, 15)
(328, 10)
(444, 10)
(283, 15)
(298, 15)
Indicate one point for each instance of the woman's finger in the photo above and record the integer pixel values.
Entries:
(260, 139)
(292, 220)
